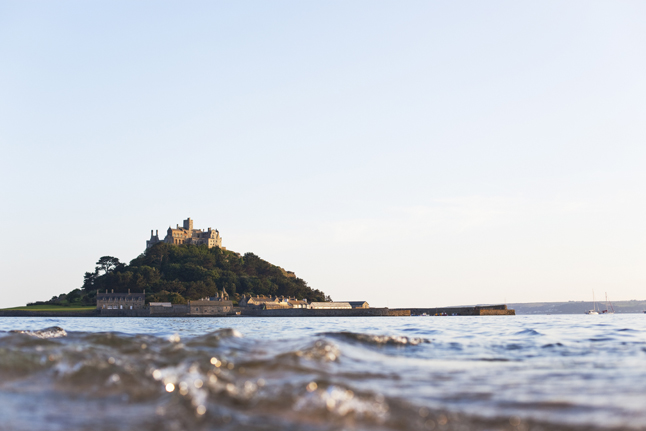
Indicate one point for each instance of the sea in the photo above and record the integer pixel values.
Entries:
(546, 372)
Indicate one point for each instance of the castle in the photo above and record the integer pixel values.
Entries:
(187, 235)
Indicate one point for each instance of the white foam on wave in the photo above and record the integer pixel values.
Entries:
(52, 332)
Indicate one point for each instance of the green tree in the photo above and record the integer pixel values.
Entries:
(107, 264)
(88, 280)
(188, 272)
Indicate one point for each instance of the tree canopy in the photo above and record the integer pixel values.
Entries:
(107, 264)
(177, 273)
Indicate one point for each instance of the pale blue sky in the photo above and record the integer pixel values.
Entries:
(433, 153)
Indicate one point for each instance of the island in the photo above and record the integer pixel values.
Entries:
(190, 273)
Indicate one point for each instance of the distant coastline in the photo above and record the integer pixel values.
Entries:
(575, 307)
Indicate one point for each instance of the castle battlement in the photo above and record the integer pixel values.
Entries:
(187, 235)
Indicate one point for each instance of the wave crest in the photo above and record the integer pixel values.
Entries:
(51, 332)
(378, 340)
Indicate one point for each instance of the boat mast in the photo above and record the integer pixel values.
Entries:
(607, 308)
(609, 305)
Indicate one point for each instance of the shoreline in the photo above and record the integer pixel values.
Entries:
(366, 312)
(497, 310)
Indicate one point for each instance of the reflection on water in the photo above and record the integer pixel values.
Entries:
(384, 373)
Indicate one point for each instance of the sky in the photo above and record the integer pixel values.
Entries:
(410, 153)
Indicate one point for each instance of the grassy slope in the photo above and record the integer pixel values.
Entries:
(71, 308)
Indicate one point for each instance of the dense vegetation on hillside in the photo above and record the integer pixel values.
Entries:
(171, 273)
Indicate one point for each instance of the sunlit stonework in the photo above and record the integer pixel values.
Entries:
(187, 235)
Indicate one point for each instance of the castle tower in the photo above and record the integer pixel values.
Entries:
(154, 239)
(188, 224)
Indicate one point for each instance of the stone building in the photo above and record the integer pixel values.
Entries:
(283, 303)
(224, 296)
(262, 302)
(255, 301)
(120, 301)
(206, 307)
(357, 304)
(218, 305)
(187, 235)
(298, 303)
(330, 305)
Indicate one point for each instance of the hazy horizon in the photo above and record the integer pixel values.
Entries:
(406, 154)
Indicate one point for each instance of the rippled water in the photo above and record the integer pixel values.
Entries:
(374, 373)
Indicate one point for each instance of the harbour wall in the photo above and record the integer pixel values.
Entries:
(305, 312)
(184, 311)
(176, 310)
(487, 310)
(139, 312)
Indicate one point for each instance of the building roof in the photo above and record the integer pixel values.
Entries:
(356, 303)
(296, 301)
(330, 305)
(258, 299)
(275, 305)
(119, 295)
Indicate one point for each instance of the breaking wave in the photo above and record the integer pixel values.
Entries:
(379, 340)
(53, 332)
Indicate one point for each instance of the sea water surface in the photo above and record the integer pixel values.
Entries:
(565, 372)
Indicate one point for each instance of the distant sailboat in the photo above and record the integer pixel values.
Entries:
(609, 308)
(594, 306)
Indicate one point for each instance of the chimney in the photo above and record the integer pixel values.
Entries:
(151, 232)
(128, 291)
(144, 291)
(112, 290)
(157, 233)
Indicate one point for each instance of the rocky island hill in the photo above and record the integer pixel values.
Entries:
(189, 272)
(178, 273)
